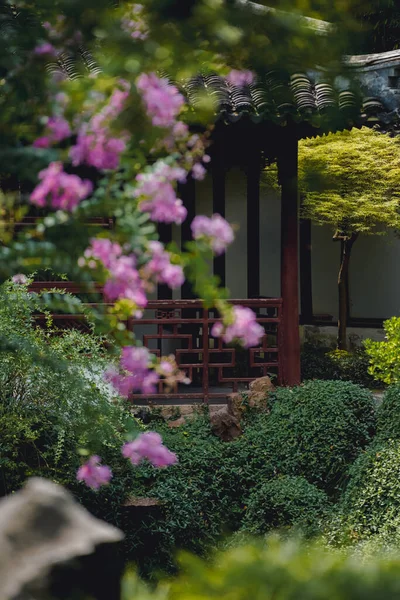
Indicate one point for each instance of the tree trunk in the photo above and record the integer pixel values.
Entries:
(343, 289)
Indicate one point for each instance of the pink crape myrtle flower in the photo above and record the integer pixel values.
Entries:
(244, 329)
(134, 23)
(19, 279)
(137, 375)
(216, 230)
(155, 189)
(59, 189)
(198, 171)
(57, 129)
(159, 268)
(124, 281)
(97, 149)
(94, 474)
(45, 49)
(240, 78)
(95, 146)
(103, 250)
(149, 446)
(162, 100)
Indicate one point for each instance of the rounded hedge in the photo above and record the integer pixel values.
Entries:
(371, 503)
(284, 502)
(388, 414)
(317, 430)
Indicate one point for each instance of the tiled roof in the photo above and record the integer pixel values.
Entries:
(275, 98)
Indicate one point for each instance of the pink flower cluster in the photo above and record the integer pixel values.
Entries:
(137, 376)
(134, 24)
(244, 329)
(215, 230)
(45, 49)
(149, 446)
(159, 268)
(94, 474)
(158, 194)
(124, 281)
(57, 129)
(19, 279)
(162, 100)
(240, 78)
(59, 189)
(95, 145)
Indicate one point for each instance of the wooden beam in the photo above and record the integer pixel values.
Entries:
(306, 301)
(218, 188)
(187, 192)
(253, 224)
(287, 171)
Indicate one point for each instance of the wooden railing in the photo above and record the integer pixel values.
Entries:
(183, 328)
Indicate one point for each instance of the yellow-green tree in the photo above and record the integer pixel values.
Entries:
(350, 181)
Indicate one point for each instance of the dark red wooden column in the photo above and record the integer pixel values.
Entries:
(287, 170)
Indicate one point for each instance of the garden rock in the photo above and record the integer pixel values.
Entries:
(41, 526)
(263, 386)
(225, 422)
(177, 422)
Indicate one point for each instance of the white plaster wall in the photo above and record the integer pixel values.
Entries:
(236, 214)
(375, 276)
(325, 268)
(270, 243)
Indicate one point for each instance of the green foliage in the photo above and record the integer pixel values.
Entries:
(385, 356)
(388, 415)
(284, 502)
(321, 362)
(350, 181)
(318, 429)
(277, 569)
(53, 401)
(371, 503)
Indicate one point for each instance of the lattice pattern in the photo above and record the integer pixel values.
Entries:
(183, 328)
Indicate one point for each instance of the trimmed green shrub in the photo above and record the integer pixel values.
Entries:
(53, 404)
(321, 362)
(285, 570)
(385, 356)
(371, 503)
(317, 430)
(388, 414)
(284, 502)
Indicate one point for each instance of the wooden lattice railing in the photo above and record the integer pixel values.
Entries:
(183, 328)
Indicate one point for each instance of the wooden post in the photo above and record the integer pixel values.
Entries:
(287, 170)
(253, 225)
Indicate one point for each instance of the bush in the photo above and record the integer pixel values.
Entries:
(317, 430)
(385, 356)
(371, 503)
(320, 362)
(388, 414)
(277, 569)
(284, 502)
(53, 403)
